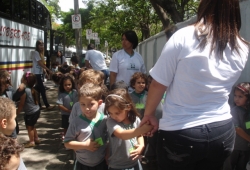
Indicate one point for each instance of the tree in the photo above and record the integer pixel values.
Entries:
(53, 8)
(174, 10)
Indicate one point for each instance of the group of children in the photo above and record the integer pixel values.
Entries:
(101, 126)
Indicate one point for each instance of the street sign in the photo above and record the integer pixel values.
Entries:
(88, 34)
(95, 35)
(76, 21)
(97, 41)
(106, 43)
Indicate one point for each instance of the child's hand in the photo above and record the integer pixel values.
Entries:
(145, 128)
(136, 153)
(91, 145)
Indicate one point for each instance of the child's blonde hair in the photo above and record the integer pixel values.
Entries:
(121, 100)
(91, 90)
(93, 76)
(6, 109)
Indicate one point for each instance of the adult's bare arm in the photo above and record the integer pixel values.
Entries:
(112, 78)
(87, 63)
(40, 62)
(155, 94)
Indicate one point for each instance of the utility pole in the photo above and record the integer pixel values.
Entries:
(78, 33)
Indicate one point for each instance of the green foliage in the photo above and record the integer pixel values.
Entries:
(110, 18)
(53, 8)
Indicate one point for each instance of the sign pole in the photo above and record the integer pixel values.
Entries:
(78, 33)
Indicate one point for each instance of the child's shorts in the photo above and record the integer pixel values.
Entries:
(102, 166)
(30, 120)
(65, 121)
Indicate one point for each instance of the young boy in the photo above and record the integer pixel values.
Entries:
(8, 122)
(87, 135)
(9, 153)
(139, 82)
(88, 76)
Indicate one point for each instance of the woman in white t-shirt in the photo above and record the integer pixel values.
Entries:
(126, 62)
(198, 67)
(37, 69)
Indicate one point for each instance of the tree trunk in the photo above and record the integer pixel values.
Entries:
(161, 14)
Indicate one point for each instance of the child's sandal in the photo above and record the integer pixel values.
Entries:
(37, 141)
(29, 145)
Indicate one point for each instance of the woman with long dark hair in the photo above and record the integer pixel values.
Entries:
(198, 67)
(37, 69)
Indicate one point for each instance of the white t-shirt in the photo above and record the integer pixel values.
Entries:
(198, 84)
(96, 60)
(125, 65)
(61, 60)
(36, 68)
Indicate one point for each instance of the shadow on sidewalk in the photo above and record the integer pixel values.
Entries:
(51, 153)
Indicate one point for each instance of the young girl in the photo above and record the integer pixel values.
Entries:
(29, 104)
(241, 119)
(67, 97)
(125, 135)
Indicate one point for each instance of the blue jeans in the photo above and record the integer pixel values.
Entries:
(41, 89)
(202, 147)
(106, 74)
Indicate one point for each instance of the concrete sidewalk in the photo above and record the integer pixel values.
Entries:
(51, 153)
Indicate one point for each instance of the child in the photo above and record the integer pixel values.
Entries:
(67, 97)
(7, 121)
(139, 82)
(29, 104)
(125, 136)
(54, 68)
(56, 78)
(241, 119)
(9, 153)
(119, 85)
(7, 91)
(88, 134)
(88, 76)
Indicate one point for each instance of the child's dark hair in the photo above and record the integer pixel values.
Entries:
(121, 100)
(244, 87)
(8, 148)
(91, 90)
(63, 79)
(56, 77)
(74, 59)
(31, 81)
(4, 79)
(119, 85)
(64, 69)
(6, 108)
(136, 76)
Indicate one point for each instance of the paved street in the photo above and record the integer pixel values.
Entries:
(50, 154)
